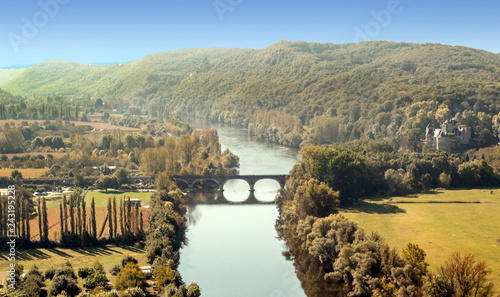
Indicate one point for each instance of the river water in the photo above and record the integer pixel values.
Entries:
(232, 249)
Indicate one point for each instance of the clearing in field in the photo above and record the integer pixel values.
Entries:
(440, 223)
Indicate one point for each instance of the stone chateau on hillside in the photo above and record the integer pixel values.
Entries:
(449, 137)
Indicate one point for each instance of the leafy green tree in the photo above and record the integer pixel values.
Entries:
(123, 176)
(316, 199)
(106, 182)
(343, 170)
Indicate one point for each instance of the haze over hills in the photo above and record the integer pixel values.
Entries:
(371, 89)
(8, 74)
(156, 71)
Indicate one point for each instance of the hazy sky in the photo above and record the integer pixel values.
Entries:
(95, 31)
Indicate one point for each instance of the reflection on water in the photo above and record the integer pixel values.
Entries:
(237, 192)
(233, 250)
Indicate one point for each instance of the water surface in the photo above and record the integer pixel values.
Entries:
(233, 250)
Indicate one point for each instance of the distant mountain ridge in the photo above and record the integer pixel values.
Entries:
(372, 89)
(72, 79)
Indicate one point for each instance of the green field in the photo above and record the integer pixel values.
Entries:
(440, 223)
(108, 255)
(101, 197)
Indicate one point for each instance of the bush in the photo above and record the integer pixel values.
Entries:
(133, 292)
(128, 259)
(115, 270)
(84, 272)
(50, 273)
(96, 279)
(64, 283)
(32, 287)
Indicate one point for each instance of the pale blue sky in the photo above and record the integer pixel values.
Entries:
(94, 31)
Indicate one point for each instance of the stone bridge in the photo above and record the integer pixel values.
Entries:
(220, 180)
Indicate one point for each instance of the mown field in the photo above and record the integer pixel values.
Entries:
(27, 173)
(108, 255)
(440, 223)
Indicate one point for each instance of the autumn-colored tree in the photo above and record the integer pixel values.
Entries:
(415, 256)
(130, 276)
(462, 275)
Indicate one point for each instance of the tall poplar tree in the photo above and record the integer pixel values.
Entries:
(136, 218)
(71, 214)
(61, 218)
(65, 214)
(92, 218)
(45, 221)
(40, 229)
(84, 216)
(27, 214)
(141, 222)
(110, 218)
(115, 221)
(121, 217)
(22, 212)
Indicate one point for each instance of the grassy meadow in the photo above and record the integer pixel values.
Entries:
(440, 222)
(108, 255)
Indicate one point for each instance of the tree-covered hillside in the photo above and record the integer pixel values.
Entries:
(293, 92)
(8, 74)
(140, 78)
(348, 91)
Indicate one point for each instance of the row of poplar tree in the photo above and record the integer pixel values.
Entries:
(77, 228)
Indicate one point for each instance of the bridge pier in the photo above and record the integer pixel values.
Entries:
(252, 186)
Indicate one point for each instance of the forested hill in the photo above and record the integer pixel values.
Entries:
(311, 79)
(140, 78)
(291, 92)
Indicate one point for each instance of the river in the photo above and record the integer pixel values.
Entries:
(233, 249)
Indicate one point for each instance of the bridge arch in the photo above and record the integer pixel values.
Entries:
(200, 180)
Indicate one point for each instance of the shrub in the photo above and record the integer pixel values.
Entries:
(64, 283)
(133, 292)
(84, 272)
(115, 270)
(128, 259)
(50, 273)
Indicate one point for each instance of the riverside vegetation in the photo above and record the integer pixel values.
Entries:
(334, 256)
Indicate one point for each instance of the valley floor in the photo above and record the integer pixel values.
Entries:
(440, 222)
